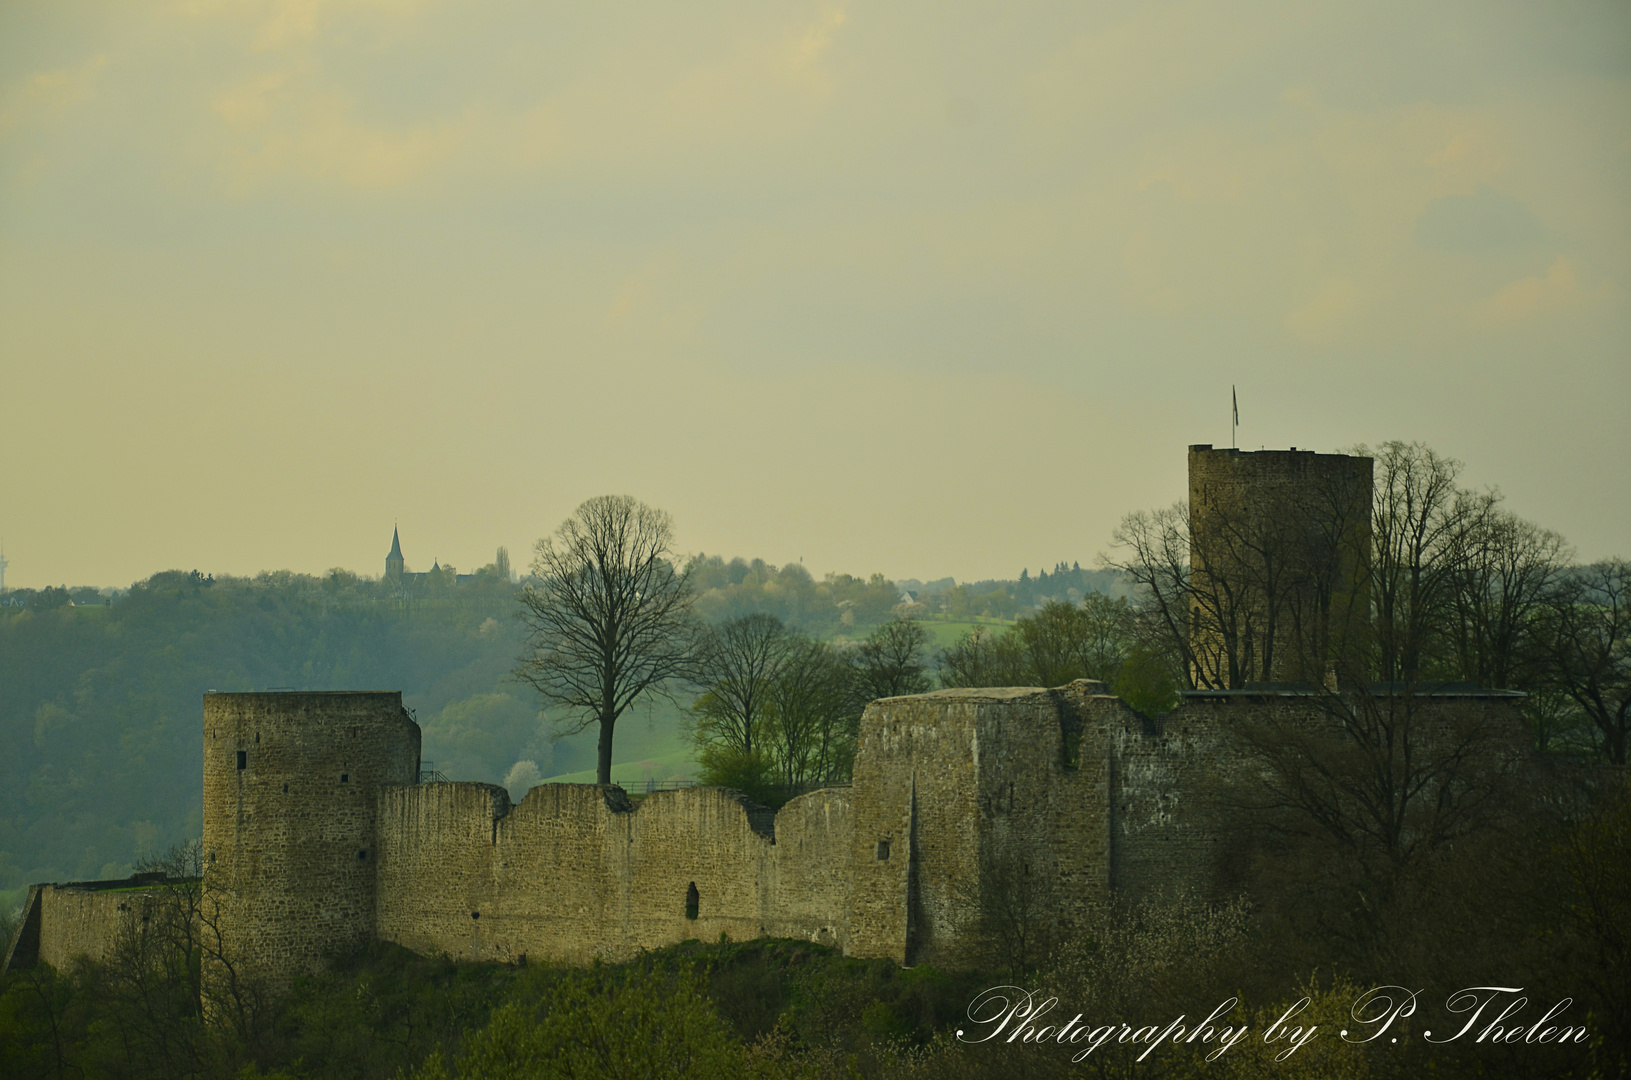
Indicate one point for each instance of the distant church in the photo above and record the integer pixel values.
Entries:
(396, 569)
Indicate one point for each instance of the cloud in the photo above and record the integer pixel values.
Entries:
(44, 96)
(765, 89)
(1479, 224)
(288, 121)
(1332, 311)
(282, 25)
(648, 107)
(1556, 292)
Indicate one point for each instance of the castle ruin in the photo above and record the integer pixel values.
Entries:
(319, 836)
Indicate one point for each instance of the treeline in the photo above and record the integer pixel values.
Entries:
(845, 605)
(100, 703)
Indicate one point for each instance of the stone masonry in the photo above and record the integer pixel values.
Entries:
(318, 837)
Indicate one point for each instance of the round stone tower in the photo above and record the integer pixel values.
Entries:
(291, 787)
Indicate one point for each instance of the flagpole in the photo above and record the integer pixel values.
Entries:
(1234, 420)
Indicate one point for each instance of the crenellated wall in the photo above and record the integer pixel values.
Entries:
(576, 872)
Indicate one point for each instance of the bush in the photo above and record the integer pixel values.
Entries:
(754, 775)
(601, 1025)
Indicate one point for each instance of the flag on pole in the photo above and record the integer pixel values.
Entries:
(1235, 401)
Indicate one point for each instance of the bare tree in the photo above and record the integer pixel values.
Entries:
(1153, 551)
(891, 661)
(1419, 545)
(983, 657)
(610, 618)
(737, 665)
(1012, 909)
(1389, 772)
(1507, 568)
(1586, 648)
(814, 721)
(152, 978)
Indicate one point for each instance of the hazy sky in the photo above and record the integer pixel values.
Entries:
(914, 287)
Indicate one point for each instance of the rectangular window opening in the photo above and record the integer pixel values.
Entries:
(883, 850)
(243, 759)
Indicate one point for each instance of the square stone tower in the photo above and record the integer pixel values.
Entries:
(291, 786)
(1279, 556)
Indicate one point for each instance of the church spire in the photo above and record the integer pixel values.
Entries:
(393, 561)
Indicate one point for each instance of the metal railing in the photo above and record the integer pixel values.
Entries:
(646, 787)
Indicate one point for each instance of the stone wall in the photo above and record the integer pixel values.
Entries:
(967, 801)
(62, 923)
(1165, 810)
(577, 872)
(81, 922)
(964, 801)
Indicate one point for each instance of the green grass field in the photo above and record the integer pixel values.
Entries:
(676, 765)
(942, 634)
(647, 745)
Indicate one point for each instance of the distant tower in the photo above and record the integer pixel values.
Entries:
(393, 561)
(1279, 550)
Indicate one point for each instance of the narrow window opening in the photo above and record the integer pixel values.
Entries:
(692, 901)
(285, 789)
(883, 850)
(345, 778)
(257, 738)
(362, 855)
(243, 759)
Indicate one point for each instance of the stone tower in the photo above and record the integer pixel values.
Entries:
(291, 785)
(1279, 547)
(393, 561)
